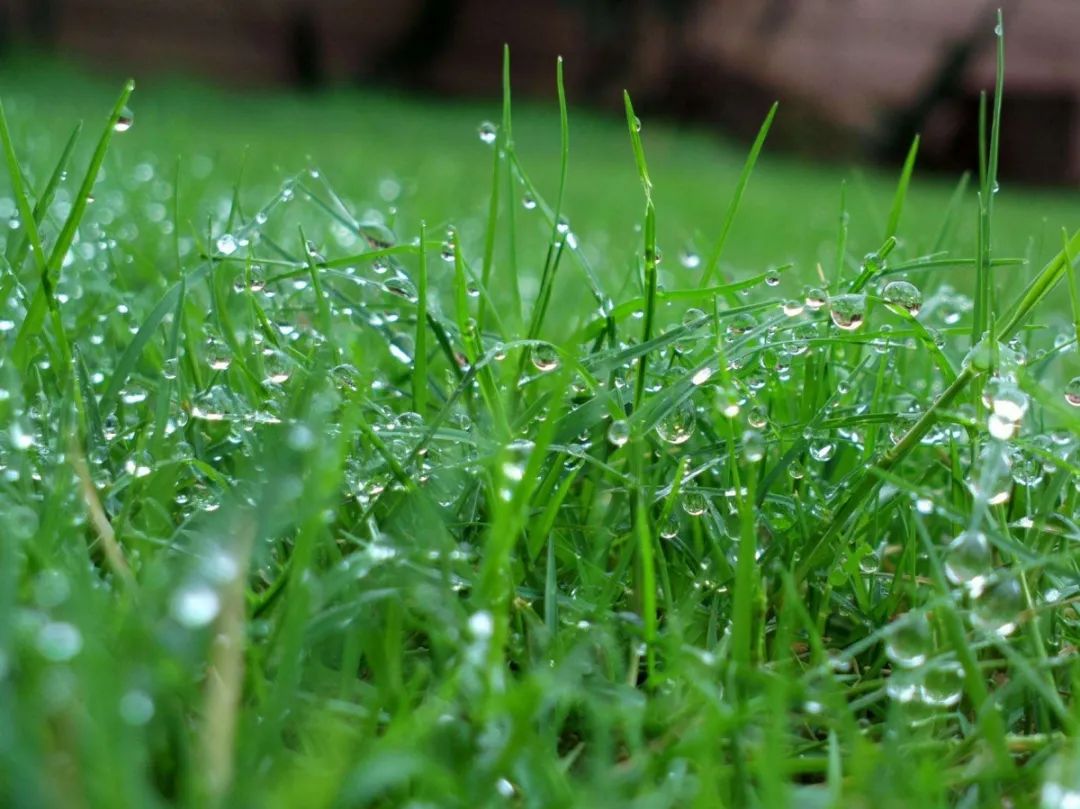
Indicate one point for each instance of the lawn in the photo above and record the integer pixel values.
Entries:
(329, 479)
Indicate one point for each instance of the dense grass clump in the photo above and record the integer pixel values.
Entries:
(309, 503)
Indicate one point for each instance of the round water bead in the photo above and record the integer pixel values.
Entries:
(59, 641)
(968, 560)
(903, 295)
(694, 503)
(998, 607)
(1072, 391)
(753, 446)
(943, 684)
(678, 426)
(741, 323)
(195, 605)
(848, 311)
(619, 432)
(487, 132)
(990, 480)
(689, 259)
(815, 298)
(793, 307)
(124, 121)
(909, 640)
(822, 448)
(728, 402)
(545, 358)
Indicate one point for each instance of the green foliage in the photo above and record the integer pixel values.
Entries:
(417, 478)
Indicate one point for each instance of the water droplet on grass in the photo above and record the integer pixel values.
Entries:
(136, 708)
(998, 607)
(848, 311)
(227, 244)
(793, 308)
(903, 295)
(619, 432)
(753, 446)
(968, 560)
(909, 640)
(679, 425)
(59, 641)
(487, 132)
(195, 605)
(544, 358)
(1072, 391)
(689, 259)
(816, 298)
(124, 121)
(694, 503)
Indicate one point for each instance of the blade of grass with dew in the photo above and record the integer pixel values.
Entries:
(901, 190)
(634, 125)
(32, 324)
(740, 187)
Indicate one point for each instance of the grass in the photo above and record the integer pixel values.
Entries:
(414, 473)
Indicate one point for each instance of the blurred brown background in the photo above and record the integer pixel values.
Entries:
(855, 77)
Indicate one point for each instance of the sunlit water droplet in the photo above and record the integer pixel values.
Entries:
(689, 259)
(487, 132)
(679, 425)
(195, 605)
(544, 358)
(903, 295)
(227, 244)
(909, 640)
(1072, 391)
(847, 311)
(753, 446)
(816, 298)
(59, 641)
(943, 684)
(124, 121)
(968, 560)
(619, 432)
(136, 708)
(998, 607)
(694, 503)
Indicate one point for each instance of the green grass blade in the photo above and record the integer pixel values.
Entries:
(740, 187)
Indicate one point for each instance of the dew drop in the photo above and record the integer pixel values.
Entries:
(227, 244)
(694, 503)
(909, 640)
(903, 295)
(968, 560)
(124, 121)
(943, 684)
(753, 446)
(816, 298)
(195, 605)
(689, 259)
(619, 432)
(58, 641)
(1072, 391)
(793, 308)
(544, 358)
(487, 132)
(136, 708)
(997, 608)
(848, 311)
(679, 425)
